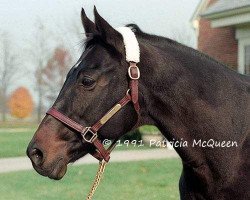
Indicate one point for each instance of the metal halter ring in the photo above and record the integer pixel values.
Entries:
(86, 131)
(130, 74)
(127, 93)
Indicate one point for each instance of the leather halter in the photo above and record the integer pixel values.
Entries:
(89, 134)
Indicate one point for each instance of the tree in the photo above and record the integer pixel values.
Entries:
(53, 75)
(46, 63)
(20, 103)
(40, 53)
(8, 71)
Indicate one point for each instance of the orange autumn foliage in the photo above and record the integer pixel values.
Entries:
(20, 103)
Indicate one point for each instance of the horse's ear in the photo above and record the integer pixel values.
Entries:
(88, 25)
(108, 33)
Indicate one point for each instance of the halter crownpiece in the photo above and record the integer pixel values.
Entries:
(132, 48)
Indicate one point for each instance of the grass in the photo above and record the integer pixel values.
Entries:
(18, 124)
(144, 180)
(149, 129)
(13, 143)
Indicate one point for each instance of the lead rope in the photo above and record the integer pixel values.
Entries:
(97, 180)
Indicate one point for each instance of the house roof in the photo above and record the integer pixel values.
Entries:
(199, 9)
(226, 5)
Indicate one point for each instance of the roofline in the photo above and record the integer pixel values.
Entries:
(198, 9)
(226, 13)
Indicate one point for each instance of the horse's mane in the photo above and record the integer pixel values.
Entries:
(135, 28)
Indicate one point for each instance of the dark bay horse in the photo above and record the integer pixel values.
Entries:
(186, 94)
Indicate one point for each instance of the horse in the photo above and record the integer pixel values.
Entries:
(188, 95)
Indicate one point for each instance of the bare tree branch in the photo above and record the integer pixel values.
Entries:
(39, 53)
(8, 71)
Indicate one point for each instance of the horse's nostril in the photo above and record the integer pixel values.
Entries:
(36, 156)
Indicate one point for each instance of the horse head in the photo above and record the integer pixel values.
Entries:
(97, 81)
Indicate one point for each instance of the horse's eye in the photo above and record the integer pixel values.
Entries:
(88, 82)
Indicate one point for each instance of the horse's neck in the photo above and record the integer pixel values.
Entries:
(181, 105)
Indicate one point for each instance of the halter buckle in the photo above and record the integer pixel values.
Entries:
(89, 135)
(130, 72)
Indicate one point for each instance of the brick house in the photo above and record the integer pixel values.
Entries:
(223, 31)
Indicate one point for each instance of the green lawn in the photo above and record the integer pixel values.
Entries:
(18, 124)
(144, 180)
(14, 142)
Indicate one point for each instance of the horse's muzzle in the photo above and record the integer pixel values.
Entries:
(55, 170)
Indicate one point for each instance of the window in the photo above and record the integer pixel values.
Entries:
(244, 55)
(247, 59)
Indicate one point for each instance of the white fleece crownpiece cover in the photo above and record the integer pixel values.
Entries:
(131, 44)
